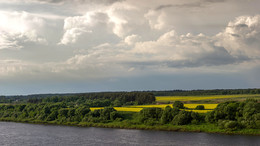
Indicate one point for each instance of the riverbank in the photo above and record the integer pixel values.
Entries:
(205, 127)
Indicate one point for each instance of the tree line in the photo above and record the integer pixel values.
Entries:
(205, 92)
(92, 99)
(231, 115)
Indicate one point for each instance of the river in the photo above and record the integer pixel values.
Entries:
(20, 134)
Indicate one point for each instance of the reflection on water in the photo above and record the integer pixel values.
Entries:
(31, 134)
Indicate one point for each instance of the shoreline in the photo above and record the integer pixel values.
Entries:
(174, 128)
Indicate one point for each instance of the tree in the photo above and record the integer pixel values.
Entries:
(182, 118)
(200, 107)
(178, 104)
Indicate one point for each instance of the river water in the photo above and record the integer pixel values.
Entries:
(20, 134)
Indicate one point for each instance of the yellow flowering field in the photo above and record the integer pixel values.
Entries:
(189, 98)
(199, 111)
(207, 106)
(96, 108)
(128, 109)
(125, 109)
(138, 108)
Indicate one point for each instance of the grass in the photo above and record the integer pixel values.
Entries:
(210, 97)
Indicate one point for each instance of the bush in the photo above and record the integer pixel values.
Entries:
(197, 118)
(178, 104)
(105, 113)
(200, 107)
(182, 118)
(52, 116)
(114, 115)
(231, 125)
(150, 113)
(167, 115)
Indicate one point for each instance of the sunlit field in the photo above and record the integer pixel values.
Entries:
(199, 111)
(138, 108)
(125, 109)
(192, 98)
(192, 106)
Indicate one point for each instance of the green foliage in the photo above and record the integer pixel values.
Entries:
(117, 103)
(182, 118)
(197, 118)
(153, 113)
(200, 107)
(205, 92)
(228, 125)
(228, 116)
(168, 114)
(246, 114)
(178, 104)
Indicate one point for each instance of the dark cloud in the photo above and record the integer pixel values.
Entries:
(188, 5)
(234, 35)
(220, 56)
(242, 25)
(201, 3)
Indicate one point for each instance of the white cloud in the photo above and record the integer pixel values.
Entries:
(92, 23)
(156, 19)
(242, 37)
(132, 39)
(16, 27)
(172, 50)
(120, 39)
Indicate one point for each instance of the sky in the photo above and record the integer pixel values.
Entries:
(69, 46)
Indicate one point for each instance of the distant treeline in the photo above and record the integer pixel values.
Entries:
(205, 92)
(125, 98)
(94, 99)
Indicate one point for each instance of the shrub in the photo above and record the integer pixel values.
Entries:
(150, 113)
(182, 118)
(178, 104)
(200, 107)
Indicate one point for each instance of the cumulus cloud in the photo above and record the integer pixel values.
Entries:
(156, 19)
(132, 39)
(124, 38)
(17, 27)
(242, 36)
(174, 51)
(91, 23)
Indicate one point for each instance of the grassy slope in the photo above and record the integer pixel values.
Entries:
(130, 124)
